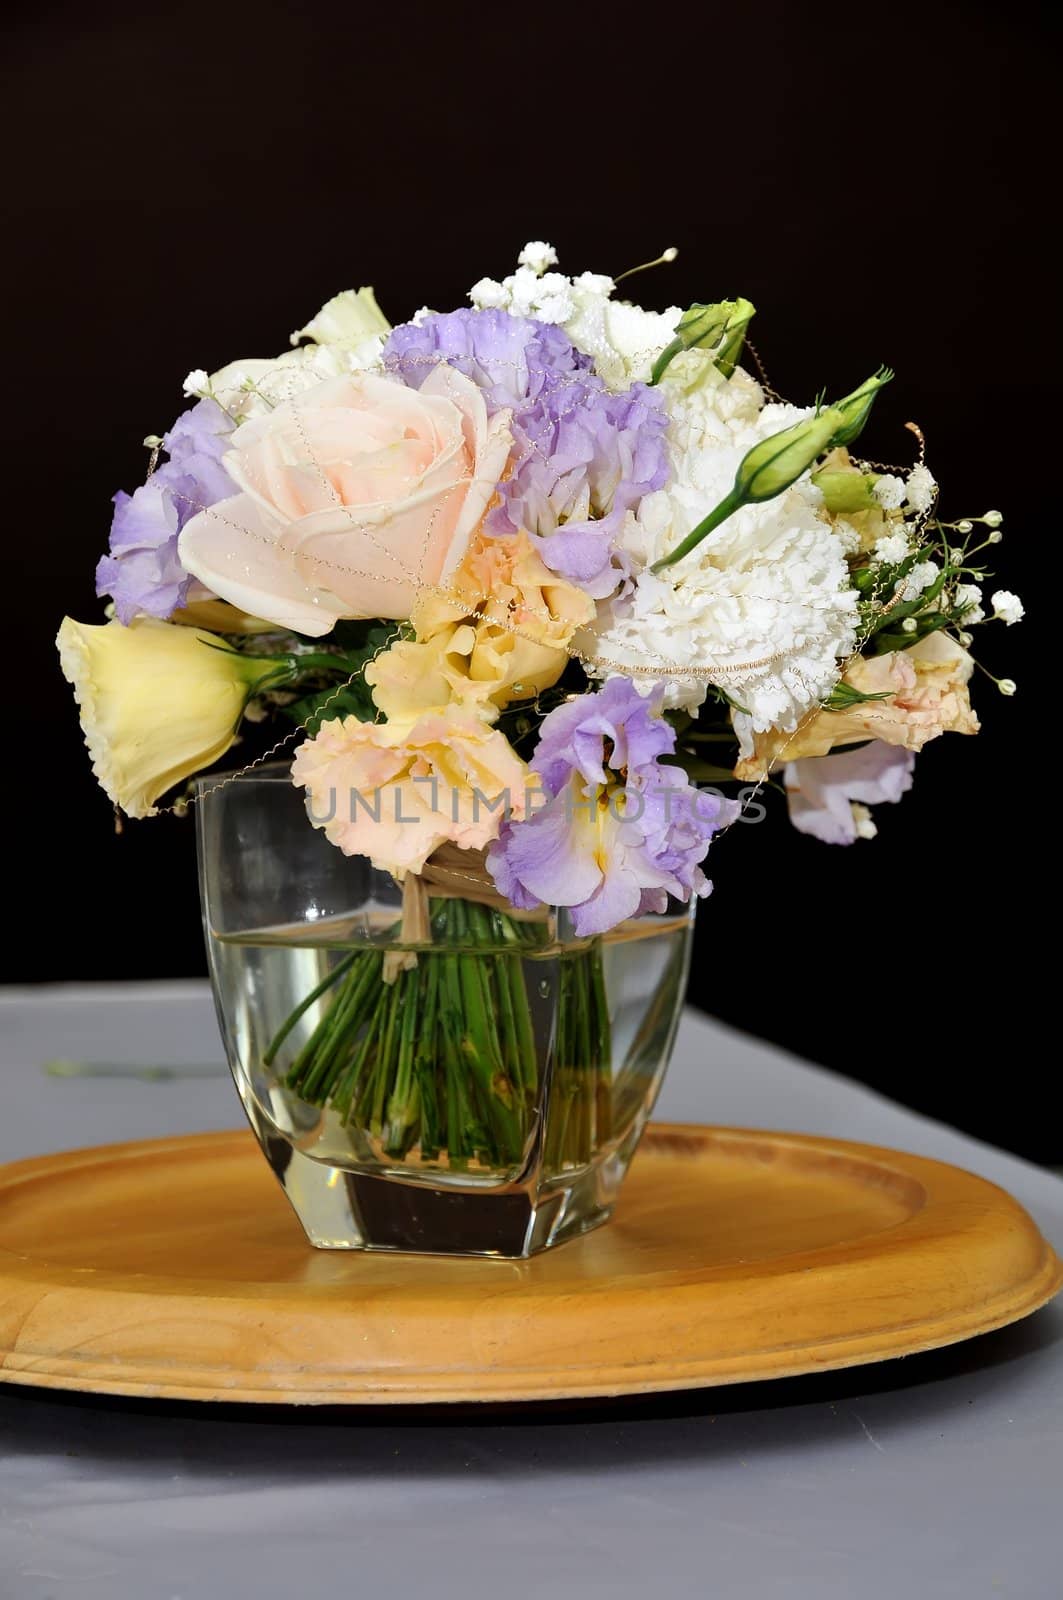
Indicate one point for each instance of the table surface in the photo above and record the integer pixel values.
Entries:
(935, 1476)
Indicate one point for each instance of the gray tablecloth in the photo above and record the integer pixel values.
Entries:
(937, 1476)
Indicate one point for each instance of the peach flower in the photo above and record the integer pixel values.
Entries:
(927, 696)
(394, 793)
(502, 640)
(356, 494)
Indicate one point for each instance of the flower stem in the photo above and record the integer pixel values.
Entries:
(450, 1061)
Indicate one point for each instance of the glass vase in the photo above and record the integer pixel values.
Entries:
(460, 1079)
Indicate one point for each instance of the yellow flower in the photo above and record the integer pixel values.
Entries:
(500, 639)
(926, 689)
(395, 793)
(157, 702)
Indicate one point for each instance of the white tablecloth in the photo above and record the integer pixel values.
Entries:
(932, 1477)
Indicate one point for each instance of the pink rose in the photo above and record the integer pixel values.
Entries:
(356, 494)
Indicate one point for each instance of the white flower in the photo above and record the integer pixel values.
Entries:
(554, 301)
(538, 255)
(527, 293)
(848, 536)
(1007, 607)
(921, 489)
(968, 599)
(622, 339)
(889, 492)
(594, 283)
(489, 295)
(891, 548)
(909, 625)
(1007, 686)
(922, 575)
(254, 387)
(347, 319)
(763, 607)
(196, 384)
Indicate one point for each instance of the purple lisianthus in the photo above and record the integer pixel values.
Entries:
(620, 831)
(828, 796)
(143, 573)
(584, 458)
(512, 359)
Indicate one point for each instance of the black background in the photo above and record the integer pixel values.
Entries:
(185, 185)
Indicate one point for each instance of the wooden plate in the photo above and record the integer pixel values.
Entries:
(175, 1268)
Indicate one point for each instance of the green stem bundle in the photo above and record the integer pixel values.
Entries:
(446, 1060)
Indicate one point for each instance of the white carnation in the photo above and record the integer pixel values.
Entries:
(921, 489)
(889, 492)
(1007, 606)
(763, 607)
(622, 339)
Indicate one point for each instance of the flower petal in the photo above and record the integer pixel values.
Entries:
(233, 547)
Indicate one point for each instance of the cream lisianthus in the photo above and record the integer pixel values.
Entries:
(157, 702)
(348, 319)
(926, 695)
(395, 792)
(502, 640)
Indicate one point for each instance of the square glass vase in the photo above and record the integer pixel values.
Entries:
(478, 1090)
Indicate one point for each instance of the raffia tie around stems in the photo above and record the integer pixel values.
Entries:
(450, 873)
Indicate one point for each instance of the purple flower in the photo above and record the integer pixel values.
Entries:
(828, 796)
(620, 831)
(585, 457)
(512, 359)
(142, 573)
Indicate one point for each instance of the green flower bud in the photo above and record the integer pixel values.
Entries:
(702, 326)
(856, 407)
(719, 326)
(734, 337)
(778, 461)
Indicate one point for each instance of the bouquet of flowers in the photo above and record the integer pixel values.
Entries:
(534, 581)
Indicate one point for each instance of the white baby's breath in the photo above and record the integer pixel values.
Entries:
(1007, 607)
(921, 489)
(922, 575)
(889, 492)
(538, 255)
(489, 295)
(891, 548)
(968, 599)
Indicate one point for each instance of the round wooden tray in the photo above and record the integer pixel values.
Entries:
(174, 1268)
